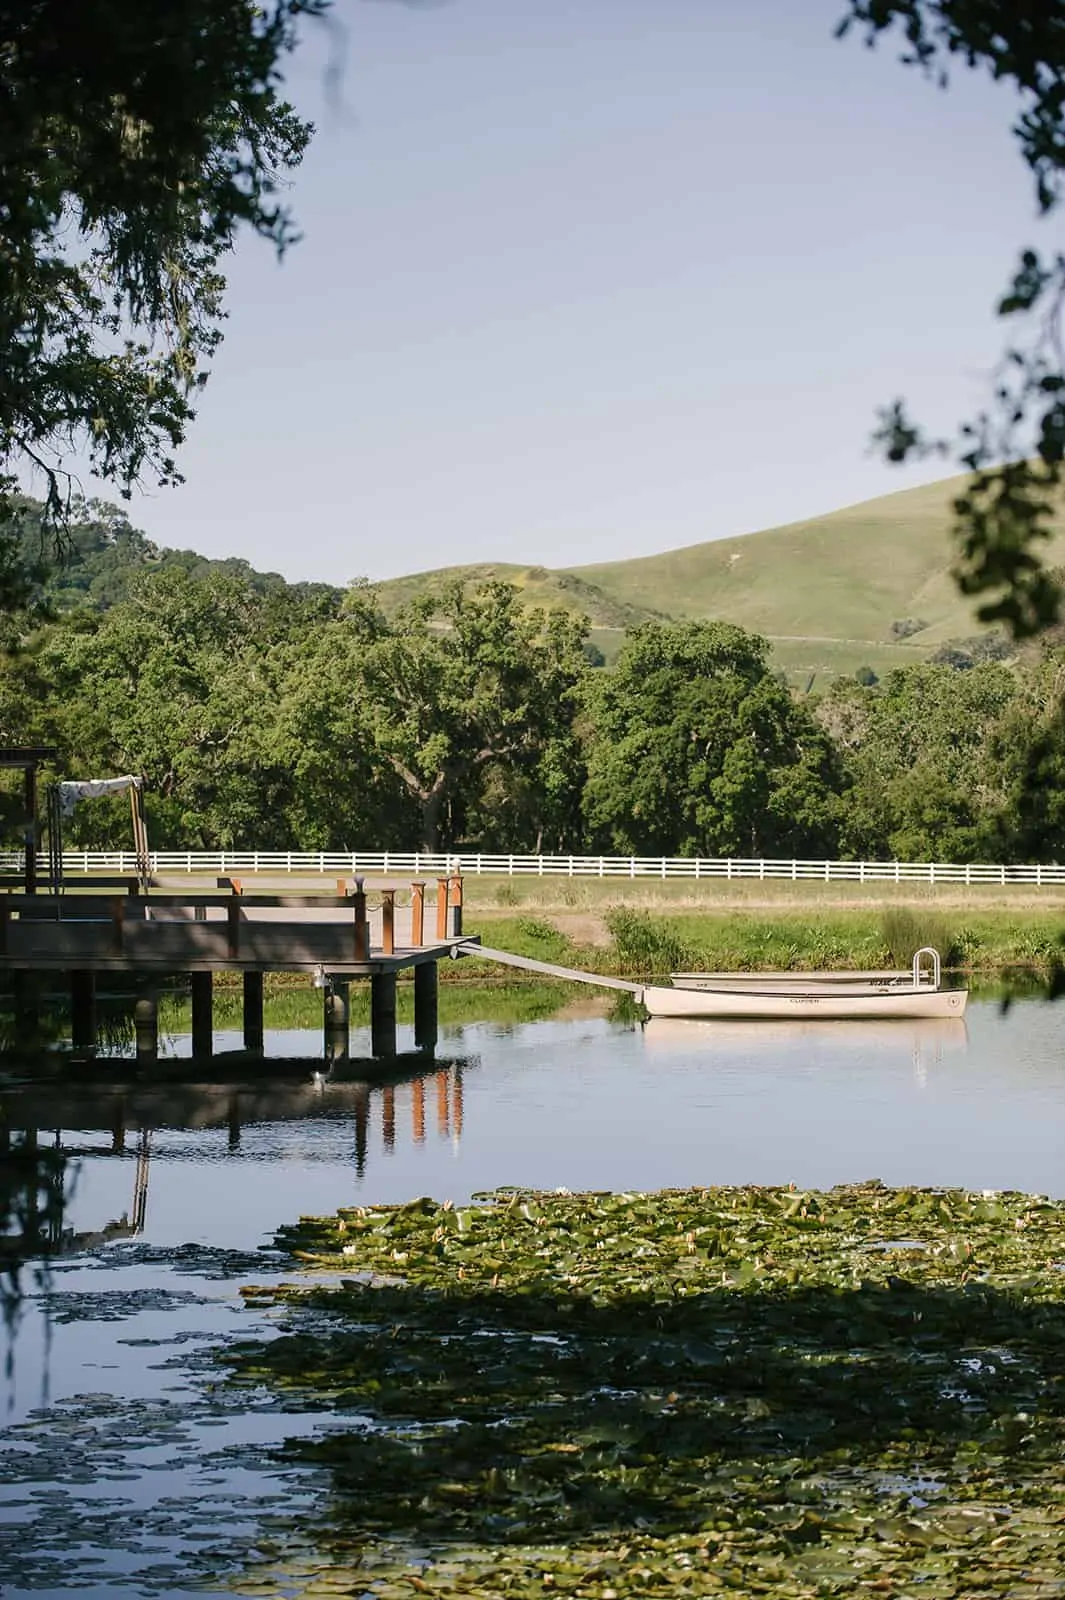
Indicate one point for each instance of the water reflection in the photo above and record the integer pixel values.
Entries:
(927, 1040)
(129, 1113)
(918, 1035)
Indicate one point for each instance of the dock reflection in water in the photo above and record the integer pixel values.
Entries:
(411, 1101)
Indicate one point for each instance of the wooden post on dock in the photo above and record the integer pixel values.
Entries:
(30, 848)
(146, 1026)
(203, 1014)
(362, 927)
(383, 1014)
(417, 914)
(83, 1011)
(253, 1011)
(454, 900)
(335, 1013)
(388, 921)
(441, 909)
(425, 1006)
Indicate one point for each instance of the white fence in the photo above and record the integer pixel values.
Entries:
(418, 864)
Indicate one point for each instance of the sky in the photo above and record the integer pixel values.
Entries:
(589, 279)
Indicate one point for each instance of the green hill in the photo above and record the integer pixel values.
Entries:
(556, 590)
(826, 592)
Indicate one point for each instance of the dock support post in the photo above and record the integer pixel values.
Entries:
(383, 1014)
(83, 1011)
(335, 1013)
(25, 1006)
(253, 1011)
(203, 1014)
(146, 1026)
(425, 1006)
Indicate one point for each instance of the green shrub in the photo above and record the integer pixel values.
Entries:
(543, 941)
(907, 929)
(645, 944)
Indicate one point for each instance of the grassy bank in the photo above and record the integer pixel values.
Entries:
(743, 1391)
(800, 937)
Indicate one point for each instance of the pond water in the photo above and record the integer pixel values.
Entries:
(123, 1466)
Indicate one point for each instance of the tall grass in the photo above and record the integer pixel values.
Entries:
(907, 929)
(645, 944)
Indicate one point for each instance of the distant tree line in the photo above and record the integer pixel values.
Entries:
(262, 713)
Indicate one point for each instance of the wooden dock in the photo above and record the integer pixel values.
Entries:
(352, 931)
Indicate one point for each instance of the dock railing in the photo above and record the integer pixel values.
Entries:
(329, 863)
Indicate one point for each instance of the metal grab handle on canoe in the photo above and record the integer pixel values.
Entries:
(918, 966)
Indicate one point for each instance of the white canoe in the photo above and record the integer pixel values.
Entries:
(828, 1004)
(794, 983)
(870, 982)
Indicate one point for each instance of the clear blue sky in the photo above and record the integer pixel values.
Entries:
(583, 281)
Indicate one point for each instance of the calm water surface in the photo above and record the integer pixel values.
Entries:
(116, 1457)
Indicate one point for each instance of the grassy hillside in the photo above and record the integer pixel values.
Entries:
(565, 591)
(849, 574)
(825, 591)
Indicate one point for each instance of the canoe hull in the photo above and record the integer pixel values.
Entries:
(831, 1005)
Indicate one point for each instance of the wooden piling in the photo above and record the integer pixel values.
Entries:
(203, 1014)
(146, 1026)
(388, 921)
(83, 1011)
(441, 908)
(383, 1014)
(425, 1006)
(25, 1003)
(417, 914)
(253, 1011)
(335, 1015)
